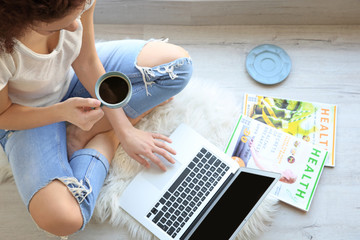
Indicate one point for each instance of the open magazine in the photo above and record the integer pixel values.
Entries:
(314, 122)
(254, 144)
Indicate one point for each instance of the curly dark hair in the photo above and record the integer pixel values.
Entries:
(18, 15)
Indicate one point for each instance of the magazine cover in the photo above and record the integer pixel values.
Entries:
(313, 122)
(256, 145)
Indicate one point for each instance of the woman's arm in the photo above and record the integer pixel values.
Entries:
(18, 117)
(138, 144)
(89, 68)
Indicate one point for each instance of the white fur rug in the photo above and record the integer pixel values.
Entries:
(210, 111)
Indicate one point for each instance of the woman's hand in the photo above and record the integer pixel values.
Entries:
(82, 112)
(141, 146)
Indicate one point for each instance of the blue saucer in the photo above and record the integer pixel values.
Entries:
(268, 64)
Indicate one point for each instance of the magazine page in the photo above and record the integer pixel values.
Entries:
(256, 145)
(314, 122)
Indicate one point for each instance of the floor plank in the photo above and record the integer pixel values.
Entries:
(227, 12)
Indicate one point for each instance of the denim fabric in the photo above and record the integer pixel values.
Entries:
(39, 156)
(151, 86)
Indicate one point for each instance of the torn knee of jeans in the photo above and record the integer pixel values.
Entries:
(146, 73)
(169, 68)
(79, 189)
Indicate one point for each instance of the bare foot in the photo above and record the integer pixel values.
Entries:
(74, 139)
(104, 142)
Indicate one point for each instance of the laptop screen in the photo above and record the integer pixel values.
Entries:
(233, 207)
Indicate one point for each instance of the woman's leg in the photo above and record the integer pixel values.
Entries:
(64, 206)
(59, 193)
(66, 214)
(38, 159)
(156, 69)
(165, 71)
(55, 210)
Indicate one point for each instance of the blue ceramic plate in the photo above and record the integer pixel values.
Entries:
(268, 64)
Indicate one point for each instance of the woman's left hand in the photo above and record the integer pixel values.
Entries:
(141, 145)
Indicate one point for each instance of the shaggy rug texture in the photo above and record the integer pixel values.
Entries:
(208, 109)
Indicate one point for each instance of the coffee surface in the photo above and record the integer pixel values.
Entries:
(113, 90)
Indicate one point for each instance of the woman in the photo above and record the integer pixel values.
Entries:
(58, 140)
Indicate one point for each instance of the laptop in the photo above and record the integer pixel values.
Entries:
(204, 194)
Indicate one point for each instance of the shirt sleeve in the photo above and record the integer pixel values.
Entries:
(7, 68)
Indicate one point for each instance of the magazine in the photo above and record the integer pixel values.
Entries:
(254, 144)
(314, 122)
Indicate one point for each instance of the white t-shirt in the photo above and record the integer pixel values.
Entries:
(41, 79)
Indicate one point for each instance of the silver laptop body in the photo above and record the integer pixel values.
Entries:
(204, 193)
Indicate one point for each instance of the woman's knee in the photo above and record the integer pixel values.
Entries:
(156, 53)
(55, 210)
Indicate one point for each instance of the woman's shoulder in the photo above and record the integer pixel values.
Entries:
(7, 68)
(7, 59)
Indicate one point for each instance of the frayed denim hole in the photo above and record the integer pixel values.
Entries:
(148, 74)
(78, 188)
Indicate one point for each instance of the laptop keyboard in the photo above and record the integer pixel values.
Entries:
(187, 193)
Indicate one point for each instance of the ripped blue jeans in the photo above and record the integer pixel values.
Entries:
(39, 156)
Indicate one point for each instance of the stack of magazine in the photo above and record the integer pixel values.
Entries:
(291, 137)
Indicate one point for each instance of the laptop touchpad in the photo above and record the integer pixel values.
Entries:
(158, 177)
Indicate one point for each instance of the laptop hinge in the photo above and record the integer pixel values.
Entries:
(204, 210)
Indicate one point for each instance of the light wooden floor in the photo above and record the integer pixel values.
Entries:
(326, 68)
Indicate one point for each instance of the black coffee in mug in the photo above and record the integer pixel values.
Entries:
(113, 89)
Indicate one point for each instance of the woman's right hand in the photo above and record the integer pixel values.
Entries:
(82, 112)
